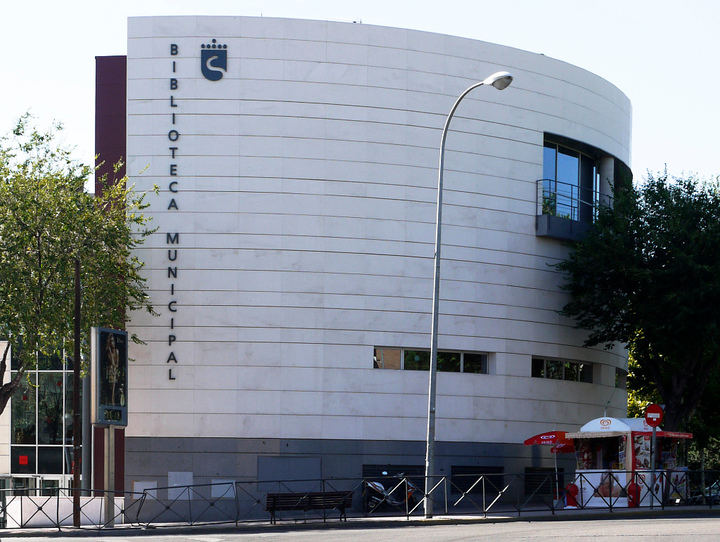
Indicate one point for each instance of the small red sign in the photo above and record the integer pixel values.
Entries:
(654, 415)
(23, 460)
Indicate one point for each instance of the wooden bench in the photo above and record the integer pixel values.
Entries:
(318, 500)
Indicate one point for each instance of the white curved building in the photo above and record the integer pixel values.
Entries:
(292, 265)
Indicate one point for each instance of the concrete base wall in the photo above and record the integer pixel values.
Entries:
(162, 462)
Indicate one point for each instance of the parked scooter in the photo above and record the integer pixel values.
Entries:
(376, 496)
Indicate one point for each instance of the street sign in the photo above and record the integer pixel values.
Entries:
(654, 415)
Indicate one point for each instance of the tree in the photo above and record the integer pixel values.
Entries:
(47, 221)
(648, 275)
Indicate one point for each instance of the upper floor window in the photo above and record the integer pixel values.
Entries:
(570, 183)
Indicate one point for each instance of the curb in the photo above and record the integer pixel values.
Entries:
(359, 523)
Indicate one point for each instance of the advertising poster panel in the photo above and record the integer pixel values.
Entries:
(110, 364)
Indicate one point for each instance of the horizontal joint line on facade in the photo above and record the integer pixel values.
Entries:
(357, 120)
(384, 47)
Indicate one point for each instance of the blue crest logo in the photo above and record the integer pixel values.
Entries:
(213, 60)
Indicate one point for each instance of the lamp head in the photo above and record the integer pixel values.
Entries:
(500, 80)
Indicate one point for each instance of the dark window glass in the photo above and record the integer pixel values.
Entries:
(448, 361)
(549, 156)
(568, 168)
(572, 371)
(416, 360)
(49, 488)
(554, 369)
(620, 378)
(587, 186)
(23, 486)
(68, 454)
(23, 413)
(475, 363)
(50, 460)
(538, 368)
(50, 408)
(50, 362)
(68, 407)
(586, 372)
(22, 459)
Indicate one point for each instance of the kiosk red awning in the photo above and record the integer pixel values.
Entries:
(551, 437)
(665, 434)
(557, 439)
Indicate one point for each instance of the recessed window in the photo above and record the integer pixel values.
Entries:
(570, 184)
(575, 371)
(387, 358)
(475, 363)
(448, 361)
(419, 360)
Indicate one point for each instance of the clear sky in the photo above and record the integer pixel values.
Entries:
(662, 54)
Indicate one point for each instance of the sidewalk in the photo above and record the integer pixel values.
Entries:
(362, 523)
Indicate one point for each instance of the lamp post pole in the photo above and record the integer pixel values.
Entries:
(500, 81)
(77, 435)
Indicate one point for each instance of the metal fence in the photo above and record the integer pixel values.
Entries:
(467, 494)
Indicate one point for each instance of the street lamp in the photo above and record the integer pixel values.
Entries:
(499, 80)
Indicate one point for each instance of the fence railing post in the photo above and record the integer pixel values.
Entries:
(446, 494)
(484, 500)
(407, 504)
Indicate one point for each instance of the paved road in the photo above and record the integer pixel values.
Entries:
(664, 529)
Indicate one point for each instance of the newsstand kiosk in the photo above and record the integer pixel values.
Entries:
(614, 464)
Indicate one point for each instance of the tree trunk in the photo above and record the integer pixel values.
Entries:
(6, 390)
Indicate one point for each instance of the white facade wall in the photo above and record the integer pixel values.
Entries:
(306, 183)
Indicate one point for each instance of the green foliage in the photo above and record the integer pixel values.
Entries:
(549, 203)
(640, 392)
(648, 275)
(712, 454)
(47, 221)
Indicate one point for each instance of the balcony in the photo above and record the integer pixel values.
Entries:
(566, 211)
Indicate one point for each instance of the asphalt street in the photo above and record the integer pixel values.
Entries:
(686, 529)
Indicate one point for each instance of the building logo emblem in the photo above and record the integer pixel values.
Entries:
(213, 60)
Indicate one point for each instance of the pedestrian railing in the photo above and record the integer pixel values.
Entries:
(245, 501)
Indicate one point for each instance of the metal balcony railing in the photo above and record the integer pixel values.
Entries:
(566, 200)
